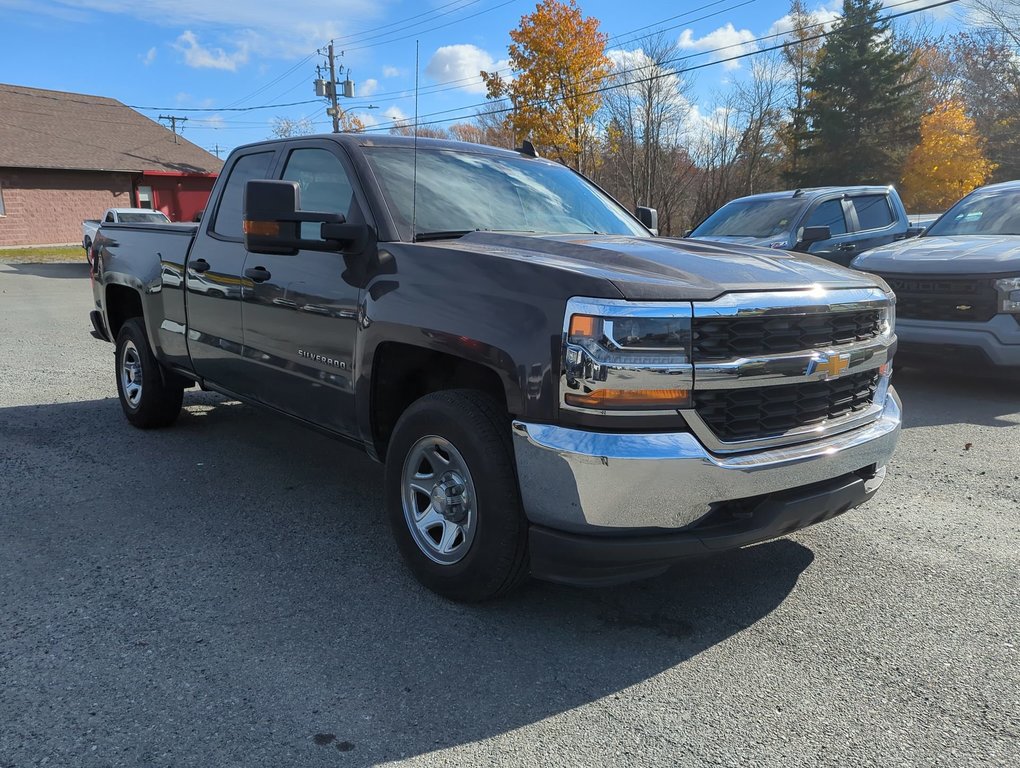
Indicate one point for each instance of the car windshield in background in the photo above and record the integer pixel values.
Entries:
(143, 218)
(752, 218)
(991, 213)
(461, 192)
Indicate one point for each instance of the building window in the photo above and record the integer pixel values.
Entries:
(3, 211)
(145, 197)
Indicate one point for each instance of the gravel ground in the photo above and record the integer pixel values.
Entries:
(225, 593)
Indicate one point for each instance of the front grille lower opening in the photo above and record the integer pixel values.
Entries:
(735, 415)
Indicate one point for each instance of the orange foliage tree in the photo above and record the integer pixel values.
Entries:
(947, 163)
(558, 59)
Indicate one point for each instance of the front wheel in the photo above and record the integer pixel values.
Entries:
(452, 496)
(149, 398)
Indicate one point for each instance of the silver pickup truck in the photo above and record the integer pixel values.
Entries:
(958, 285)
(90, 227)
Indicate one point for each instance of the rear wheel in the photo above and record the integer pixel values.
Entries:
(452, 496)
(149, 397)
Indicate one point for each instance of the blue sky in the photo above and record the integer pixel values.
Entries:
(221, 55)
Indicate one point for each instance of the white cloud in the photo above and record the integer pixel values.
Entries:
(391, 72)
(149, 57)
(824, 15)
(725, 42)
(395, 114)
(462, 63)
(368, 87)
(200, 57)
(636, 65)
(293, 32)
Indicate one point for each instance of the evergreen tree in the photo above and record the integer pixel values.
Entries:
(862, 112)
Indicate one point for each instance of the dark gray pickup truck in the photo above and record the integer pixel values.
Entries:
(553, 390)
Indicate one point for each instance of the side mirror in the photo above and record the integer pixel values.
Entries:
(198, 216)
(649, 217)
(688, 232)
(813, 235)
(273, 218)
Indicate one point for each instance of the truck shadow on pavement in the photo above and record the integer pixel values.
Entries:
(983, 396)
(226, 592)
(60, 270)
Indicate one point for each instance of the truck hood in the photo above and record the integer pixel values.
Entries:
(948, 255)
(644, 268)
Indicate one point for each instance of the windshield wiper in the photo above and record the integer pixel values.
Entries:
(446, 234)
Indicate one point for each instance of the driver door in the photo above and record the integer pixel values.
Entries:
(299, 313)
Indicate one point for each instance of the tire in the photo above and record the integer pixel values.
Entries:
(150, 398)
(473, 489)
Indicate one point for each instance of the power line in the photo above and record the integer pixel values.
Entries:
(673, 72)
(438, 87)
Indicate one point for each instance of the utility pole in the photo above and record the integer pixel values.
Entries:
(332, 90)
(216, 150)
(327, 89)
(174, 119)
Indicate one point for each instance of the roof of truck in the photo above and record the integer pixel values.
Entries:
(810, 193)
(390, 140)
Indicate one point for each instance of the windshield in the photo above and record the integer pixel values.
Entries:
(460, 192)
(139, 218)
(981, 213)
(752, 218)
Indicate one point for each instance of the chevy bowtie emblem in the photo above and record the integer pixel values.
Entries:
(964, 307)
(831, 365)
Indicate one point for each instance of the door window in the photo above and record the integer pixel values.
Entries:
(873, 211)
(230, 213)
(324, 184)
(829, 214)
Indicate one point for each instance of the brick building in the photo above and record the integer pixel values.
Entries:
(66, 157)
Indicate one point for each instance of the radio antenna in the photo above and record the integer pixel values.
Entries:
(414, 176)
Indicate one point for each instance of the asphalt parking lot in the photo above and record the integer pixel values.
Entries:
(225, 593)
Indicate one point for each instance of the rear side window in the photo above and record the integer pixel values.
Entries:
(873, 211)
(230, 213)
(829, 214)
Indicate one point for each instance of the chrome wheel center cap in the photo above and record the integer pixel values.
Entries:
(450, 497)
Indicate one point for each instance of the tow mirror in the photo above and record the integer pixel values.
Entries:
(273, 219)
(649, 217)
(812, 235)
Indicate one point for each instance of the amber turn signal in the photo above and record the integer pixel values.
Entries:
(630, 398)
(582, 326)
(263, 228)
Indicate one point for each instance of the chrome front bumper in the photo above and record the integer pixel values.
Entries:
(595, 482)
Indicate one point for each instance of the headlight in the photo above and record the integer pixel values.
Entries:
(888, 315)
(1009, 293)
(624, 356)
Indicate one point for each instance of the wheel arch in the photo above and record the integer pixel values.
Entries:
(402, 373)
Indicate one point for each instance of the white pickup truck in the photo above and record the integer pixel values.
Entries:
(89, 227)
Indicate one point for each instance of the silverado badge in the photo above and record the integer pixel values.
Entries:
(832, 365)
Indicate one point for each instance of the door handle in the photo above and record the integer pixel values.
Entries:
(199, 265)
(846, 247)
(257, 274)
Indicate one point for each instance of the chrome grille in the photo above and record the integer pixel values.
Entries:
(773, 368)
(728, 338)
(760, 412)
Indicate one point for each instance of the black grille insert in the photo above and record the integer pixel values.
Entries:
(727, 338)
(746, 414)
(959, 298)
